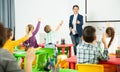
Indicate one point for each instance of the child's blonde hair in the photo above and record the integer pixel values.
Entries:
(30, 27)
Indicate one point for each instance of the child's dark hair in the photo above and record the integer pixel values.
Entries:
(75, 6)
(2, 35)
(89, 34)
(111, 33)
(47, 28)
(9, 32)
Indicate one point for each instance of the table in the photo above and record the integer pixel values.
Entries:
(21, 54)
(42, 45)
(113, 60)
(63, 46)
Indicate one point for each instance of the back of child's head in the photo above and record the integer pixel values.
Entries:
(2, 35)
(89, 34)
(111, 33)
(47, 28)
(30, 27)
(9, 32)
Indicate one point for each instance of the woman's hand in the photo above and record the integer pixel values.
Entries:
(78, 22)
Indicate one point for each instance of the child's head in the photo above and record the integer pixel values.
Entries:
(29, 28)
(89, 34)
(47, 28)
(2, 35)
(9, 33)
(110, 32)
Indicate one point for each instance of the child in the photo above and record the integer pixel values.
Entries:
(87, 52)
(32, 42)
(111, 40)
(7, 61)
(50, 39)
(10, 45)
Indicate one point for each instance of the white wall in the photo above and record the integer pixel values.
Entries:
(52, 11)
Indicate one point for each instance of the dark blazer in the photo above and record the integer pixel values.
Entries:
(78, 26)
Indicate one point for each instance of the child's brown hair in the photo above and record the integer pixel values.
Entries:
(47, 28)
(111, 33)
(9, 32)
(3, 36)
(89, 34)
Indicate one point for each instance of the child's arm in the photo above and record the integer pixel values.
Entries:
(30, 55)
(19, 41)
(37, 27)
(104, 55)
(58, 27)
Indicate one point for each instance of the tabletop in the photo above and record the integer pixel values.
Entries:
(112, 60)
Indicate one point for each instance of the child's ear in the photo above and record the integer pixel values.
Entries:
(95, 37)
(82, 38)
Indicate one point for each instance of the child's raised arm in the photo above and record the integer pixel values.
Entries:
(60, 24)
(37, 27)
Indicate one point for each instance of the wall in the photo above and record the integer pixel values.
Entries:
(52, 11)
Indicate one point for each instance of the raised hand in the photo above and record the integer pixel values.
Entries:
(61, 22)
(40, 19)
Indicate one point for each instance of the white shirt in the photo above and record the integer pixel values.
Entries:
(51, 37)
(113, 46)
(74, 31)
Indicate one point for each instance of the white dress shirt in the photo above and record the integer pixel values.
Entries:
(74, 31)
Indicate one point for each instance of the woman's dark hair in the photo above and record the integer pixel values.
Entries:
(9, 32)
(2, 35)
(47, 28)
(75, 6)
(111, 33)
(89, 34)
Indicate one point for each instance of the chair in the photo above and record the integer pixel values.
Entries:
(62, 61)
(42, 58)
(60, 50)
(89, 68)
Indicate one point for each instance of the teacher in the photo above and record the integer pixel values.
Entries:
(75, 26)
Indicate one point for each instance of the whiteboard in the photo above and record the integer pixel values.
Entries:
(102, 10)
